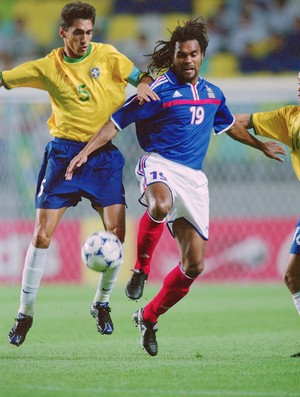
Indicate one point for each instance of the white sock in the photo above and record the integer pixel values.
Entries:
(35, 264)
(296, 299)
(107, 282)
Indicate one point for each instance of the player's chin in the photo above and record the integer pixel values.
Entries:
(82, 51)
(188, 76)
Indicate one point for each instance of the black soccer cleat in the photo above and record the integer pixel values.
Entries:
(101, 312)
(135, 286)
(148, 331)
(295, 355)
(19, 331)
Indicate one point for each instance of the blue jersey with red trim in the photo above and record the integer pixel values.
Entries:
(179, 125)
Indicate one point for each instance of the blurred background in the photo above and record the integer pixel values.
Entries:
(253, 55)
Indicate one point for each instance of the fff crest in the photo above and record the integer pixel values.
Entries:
(95, 72)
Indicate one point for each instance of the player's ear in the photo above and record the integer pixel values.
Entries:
(61, 32)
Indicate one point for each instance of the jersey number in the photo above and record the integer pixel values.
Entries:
(158, 175)
(197, 114)
(84, 95)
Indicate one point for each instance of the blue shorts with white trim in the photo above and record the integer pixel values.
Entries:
(99, 180)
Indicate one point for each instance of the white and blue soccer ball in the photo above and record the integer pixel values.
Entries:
(101, 251)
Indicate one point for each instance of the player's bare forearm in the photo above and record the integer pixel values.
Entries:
(104, 135)
(270, 149)
(239, 133)
(244, 119)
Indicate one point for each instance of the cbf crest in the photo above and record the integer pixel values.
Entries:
(95, 72)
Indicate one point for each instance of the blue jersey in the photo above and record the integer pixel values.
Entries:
(179, 125)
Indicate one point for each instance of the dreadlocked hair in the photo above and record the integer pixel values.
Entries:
(162, 57)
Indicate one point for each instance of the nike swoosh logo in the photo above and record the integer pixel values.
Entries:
(26, 292)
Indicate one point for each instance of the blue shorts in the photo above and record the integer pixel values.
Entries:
(295, 248)
(99, 179)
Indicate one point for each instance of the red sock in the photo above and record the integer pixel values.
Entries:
(175, 286)
(148, 236)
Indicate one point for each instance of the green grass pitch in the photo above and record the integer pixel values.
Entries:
(220, 340)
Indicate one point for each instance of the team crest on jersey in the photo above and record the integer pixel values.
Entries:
(95, 72)
(210, 92)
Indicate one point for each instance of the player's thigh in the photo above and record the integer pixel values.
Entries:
(292, 273)
(154, 180)
(293, 265)
(159, 197)
(191, 245)
(113, 218)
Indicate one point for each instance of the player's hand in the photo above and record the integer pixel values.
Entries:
(145, 94)
(271, 149)
(75, 163)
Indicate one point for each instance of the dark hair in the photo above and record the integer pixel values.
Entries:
(76, 10)
(162, 57)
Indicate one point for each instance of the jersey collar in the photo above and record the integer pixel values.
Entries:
(75, 60)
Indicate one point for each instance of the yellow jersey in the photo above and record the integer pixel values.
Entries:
(283, 125)
(83, 92)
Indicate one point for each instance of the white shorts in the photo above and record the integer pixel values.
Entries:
(189, 190)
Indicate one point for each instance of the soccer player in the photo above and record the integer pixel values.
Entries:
(86, 83)
(175, 132)
(283, 125)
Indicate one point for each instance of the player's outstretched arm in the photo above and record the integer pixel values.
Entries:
(104, 135)
(244, 119)
(270, 149)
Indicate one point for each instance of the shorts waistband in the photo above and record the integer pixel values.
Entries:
(70, 142)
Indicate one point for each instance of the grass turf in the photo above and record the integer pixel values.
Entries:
(221, 340)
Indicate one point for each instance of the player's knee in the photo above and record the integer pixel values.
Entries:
(159, 209)
(119, 232)
(290, 281)
(193, 268)
(41, 240)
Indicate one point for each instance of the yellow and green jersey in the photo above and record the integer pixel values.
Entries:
(83, 92)
(283, 125)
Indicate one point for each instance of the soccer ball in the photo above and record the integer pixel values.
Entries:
(101, 251)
